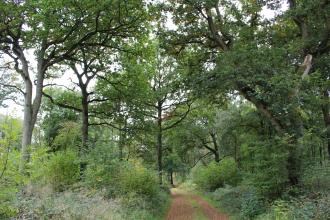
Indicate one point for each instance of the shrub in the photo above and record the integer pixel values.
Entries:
(136, 179)
(228, 198)
(145, 208)
(60, 169)
(41, 203)
(270, 161)
(119, 177)
(102, 169)
(229, 171)
(317, 178)
(215, 175)
(251, 204)
(304, 207)
(11, 181)
(239, 201)
(68, 137)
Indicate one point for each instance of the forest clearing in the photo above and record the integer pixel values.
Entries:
(165, 109)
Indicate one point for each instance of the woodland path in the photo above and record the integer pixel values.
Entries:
(186, 206)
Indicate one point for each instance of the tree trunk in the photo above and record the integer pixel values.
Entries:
(120, 144)
(216, 147)
(30, 109)
(171, 178)
(160, 144)
(122, 138)
(326, 118)
(84, 129)
(27, 125)
(30, 115)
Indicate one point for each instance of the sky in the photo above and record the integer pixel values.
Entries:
(15, 110)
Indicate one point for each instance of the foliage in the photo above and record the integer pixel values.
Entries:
(59, 170)
(240, 96)
(68, 137)
(216, 175)
(136, 179)
(266, 166)
(55, 118)
(11, 181)
(101, 170)
(317, 178)
(243, 202)
(119, 177)
(41, 203)
(306, 207)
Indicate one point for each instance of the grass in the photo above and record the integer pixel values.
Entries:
(198, 210)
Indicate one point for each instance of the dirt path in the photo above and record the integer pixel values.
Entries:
(191, 207)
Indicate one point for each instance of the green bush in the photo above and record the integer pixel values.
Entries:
(251, 204)
(145, 208)
(215, 175)
(229, 171)
(134, 178)
(268, 171)
(11, 180)
(307, 207)
(317, 178)
(60, 169)
(119, 177)
(10, 183)
(102, 169)
(239, 201)
(228, 198)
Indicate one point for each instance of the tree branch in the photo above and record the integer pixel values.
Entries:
(61, 104)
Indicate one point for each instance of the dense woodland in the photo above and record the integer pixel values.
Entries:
(124, 100)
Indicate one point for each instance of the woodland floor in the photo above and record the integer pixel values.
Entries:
(186, 206)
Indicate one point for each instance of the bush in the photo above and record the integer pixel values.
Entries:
(317, 178)
(145, 208)
(241, 201)
(215, 175)
(228, 198)
(41, 203)
(10, 183)
(132, 183)
(313, 206)
(136, 179)
(267, 164)
(60, 169)
(119, 177)
(251, 204)
(103, 168)
(229, 171)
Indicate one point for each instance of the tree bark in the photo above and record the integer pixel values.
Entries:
(84, 128)
(31, 109)
(85, 121)
(171, 178)
(216, 147)
(27, 124)
(160, 143)
(326, 118)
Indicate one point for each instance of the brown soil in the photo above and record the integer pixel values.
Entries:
(192, 207)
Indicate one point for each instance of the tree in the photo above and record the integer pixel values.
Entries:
(54, 31)
(150, 90)
(238, 51)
